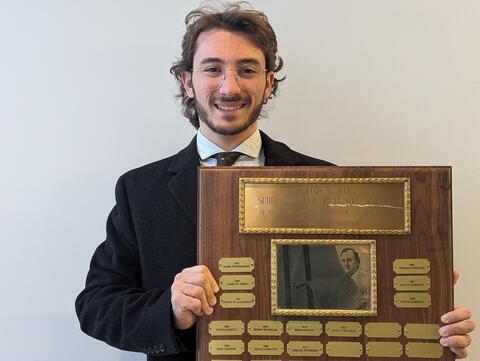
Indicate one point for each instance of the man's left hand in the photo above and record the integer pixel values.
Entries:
(458, 325)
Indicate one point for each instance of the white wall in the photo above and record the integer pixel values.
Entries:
(85, 95)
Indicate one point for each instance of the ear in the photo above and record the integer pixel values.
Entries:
(268, 86)
(188, 83)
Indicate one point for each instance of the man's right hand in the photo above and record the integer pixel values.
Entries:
(193, 294)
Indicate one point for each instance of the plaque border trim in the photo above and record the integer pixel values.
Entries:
(285, 180)
(276, 310)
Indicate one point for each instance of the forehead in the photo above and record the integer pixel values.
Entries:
(347, 254)
(227, 46)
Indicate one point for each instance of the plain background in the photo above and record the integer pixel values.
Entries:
(86, 94)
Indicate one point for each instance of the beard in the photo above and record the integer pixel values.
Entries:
(203, 115)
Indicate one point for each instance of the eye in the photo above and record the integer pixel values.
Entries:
(211, 70)
(248, 71)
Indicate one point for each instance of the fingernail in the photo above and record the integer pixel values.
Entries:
(209, 311)
(216, 289)
(444, 319)
(443, 342)
(443, 331)
(213, 301)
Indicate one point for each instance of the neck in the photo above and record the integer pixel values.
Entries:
(227, 142)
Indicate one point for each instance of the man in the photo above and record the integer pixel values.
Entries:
(144, 292)
(350, 261)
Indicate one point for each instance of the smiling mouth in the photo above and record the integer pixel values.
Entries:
(228, 108)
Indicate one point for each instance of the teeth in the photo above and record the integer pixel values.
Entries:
(230, 108)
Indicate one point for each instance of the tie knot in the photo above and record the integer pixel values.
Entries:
(227, 159)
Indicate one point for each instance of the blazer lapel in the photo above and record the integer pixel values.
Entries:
(183, 184)
(278, 154)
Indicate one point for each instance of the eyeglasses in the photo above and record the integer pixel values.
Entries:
(213, 75)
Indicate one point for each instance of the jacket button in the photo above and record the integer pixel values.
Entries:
(156, 349)
(162, 347)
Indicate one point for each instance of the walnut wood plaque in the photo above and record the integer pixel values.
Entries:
(326, 246)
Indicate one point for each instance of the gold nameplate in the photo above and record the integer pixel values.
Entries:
(265, 328)
(344, 349)
(226, 347)
(412, 300)
(423, 350)
(226, 328)
(343, 329)
(265, 347)
(305, 348)
(237, 300)
(304, 328)
(421, 331)
(325, 205)
(384, 349)
(236, 264)
(411, 283)
(237, 282)
(411, 266)
(383, 329)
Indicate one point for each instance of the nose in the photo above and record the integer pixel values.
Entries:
(230, 84)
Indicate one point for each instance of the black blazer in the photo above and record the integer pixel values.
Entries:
(151, 236)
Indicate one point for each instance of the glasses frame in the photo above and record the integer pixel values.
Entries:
(224, 75)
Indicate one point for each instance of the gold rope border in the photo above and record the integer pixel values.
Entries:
(406, 200)
(326, 312)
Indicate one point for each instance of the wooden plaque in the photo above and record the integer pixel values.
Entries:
(345, 246)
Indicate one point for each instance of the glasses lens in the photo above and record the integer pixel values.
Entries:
(213, 75)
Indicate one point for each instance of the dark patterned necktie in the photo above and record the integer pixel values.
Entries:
(226, 159)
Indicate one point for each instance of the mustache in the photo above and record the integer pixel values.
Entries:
(231, 99)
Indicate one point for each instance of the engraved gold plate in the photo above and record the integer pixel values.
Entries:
(325, 205)
(304, 328)
(411, 283)
(422, 331)
(384, 349)
(226, 347)
(237, 300)
(237, 282)
(423, 350)
(412, 300)
(343, 329)
(411, 266)
(236, 264)
(265, 347)
(383, 329)
(265, 328)
(344, 349)
(226, 328)
(305, 348)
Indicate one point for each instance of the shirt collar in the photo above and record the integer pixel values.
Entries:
(250, 146)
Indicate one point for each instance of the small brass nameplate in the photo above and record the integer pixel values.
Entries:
(343, 329)
(226, 328)
(226, 347)
(383, 329)
(265, 328)
(384, 349)
(412, 300)
(325, 205)
(237, 300)
(424, 350)
(344, 349)
(423, 331)
(411, 266)
(305, 348)
(411, 283)
(237, 282)
(265, 347)
(304, 328)
(236, 264)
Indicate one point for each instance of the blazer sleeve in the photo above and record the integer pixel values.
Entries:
(114, 307)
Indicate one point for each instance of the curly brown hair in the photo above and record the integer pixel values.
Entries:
(237, 17)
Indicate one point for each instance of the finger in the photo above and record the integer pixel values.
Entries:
(458, 328)
(197, 292)
(456, 341)
(182, 303)
(212, 286)
(460, 352)
(202, 280)
(456, 276)
(457, 315)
